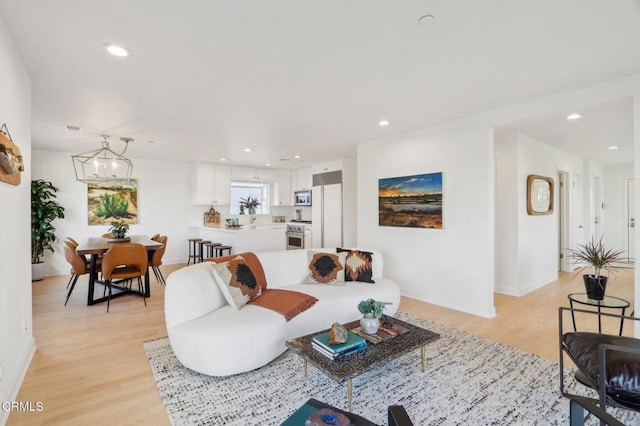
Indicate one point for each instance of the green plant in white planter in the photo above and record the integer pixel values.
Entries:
(44, 210)
(371, 311)
(119, 229)
(595, 255)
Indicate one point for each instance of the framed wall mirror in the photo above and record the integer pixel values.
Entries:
(539, 195)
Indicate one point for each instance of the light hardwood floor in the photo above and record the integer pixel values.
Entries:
(90, 366)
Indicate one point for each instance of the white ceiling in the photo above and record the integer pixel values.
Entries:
(208, 78)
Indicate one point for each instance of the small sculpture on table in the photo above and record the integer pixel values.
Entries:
(338, 334)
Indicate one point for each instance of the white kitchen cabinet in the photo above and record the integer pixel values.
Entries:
(212, 184)
(303, 180)
(327, 166)
(282, 192)
(248, 173)
(222, 185)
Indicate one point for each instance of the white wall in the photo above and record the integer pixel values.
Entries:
(16, 341)
(164, 204)
(506, 218)
(615, 205)
(527, 247)
(452, 267)
(538, 245)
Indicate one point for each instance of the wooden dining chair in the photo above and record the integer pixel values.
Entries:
(79, 264)
(155, 237)
(124, 261)
(156, 259)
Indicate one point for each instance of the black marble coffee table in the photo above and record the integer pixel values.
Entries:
(372, 357)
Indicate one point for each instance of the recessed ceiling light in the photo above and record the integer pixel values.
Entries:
(574, 116)
(223, 159)
(267, 164)
(297, 157)
(247, 149)
(612, 148)
(383, 123)
(426, 19)
(117, 50)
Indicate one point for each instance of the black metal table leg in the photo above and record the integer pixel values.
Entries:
(92, 278)
(599, 320)
(622, 320)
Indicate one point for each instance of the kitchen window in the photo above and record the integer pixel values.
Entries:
(261, 191)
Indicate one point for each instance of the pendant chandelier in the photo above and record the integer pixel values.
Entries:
(103, 165)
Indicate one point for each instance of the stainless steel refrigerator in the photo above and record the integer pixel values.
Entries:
(327, 209)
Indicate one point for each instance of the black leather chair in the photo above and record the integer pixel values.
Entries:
(608, 364)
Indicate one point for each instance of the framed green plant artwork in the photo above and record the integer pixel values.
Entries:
(109, 202)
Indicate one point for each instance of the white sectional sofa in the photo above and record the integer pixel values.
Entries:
(211, 337)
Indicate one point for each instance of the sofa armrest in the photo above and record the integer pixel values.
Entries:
(191, 292)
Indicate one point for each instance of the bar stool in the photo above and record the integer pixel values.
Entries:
(220, 250)
(210, 248)
(200, 244)
(192, 250)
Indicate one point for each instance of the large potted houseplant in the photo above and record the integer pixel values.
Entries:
(595, 255)
(44, 210)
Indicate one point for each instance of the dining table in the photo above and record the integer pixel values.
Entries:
(97, 246)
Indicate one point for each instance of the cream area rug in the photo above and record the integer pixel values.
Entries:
(468, 381)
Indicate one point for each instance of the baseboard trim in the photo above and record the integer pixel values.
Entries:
(490, 314)
(15, 388)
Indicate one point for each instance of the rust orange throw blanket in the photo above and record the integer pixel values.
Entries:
(289, 303)
(286, 302)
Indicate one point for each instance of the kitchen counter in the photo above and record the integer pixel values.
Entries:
(250, 237)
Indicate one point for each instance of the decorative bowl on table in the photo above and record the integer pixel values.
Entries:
(119, 240)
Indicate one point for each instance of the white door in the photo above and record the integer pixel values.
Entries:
(631, 220)
(577, 211)
(564, 219)
(332, 213)
(597, 207)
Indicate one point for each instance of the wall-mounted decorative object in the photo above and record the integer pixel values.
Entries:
(112, 202)
(411, 201)
(103, 165)
(11, 164)
(539, 195)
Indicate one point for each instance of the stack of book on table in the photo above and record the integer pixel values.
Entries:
(337, 352)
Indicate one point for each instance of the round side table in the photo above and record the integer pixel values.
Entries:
(606, 302)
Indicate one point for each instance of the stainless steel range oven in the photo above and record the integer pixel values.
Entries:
(295, 236)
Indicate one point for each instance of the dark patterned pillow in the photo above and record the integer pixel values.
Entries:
(326, 268)
(236, 281)
(358, 265)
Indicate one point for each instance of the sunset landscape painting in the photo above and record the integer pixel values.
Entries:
(411, 201)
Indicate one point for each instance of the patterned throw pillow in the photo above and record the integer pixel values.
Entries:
(236, 281)
(358, 265)
(326, 268)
